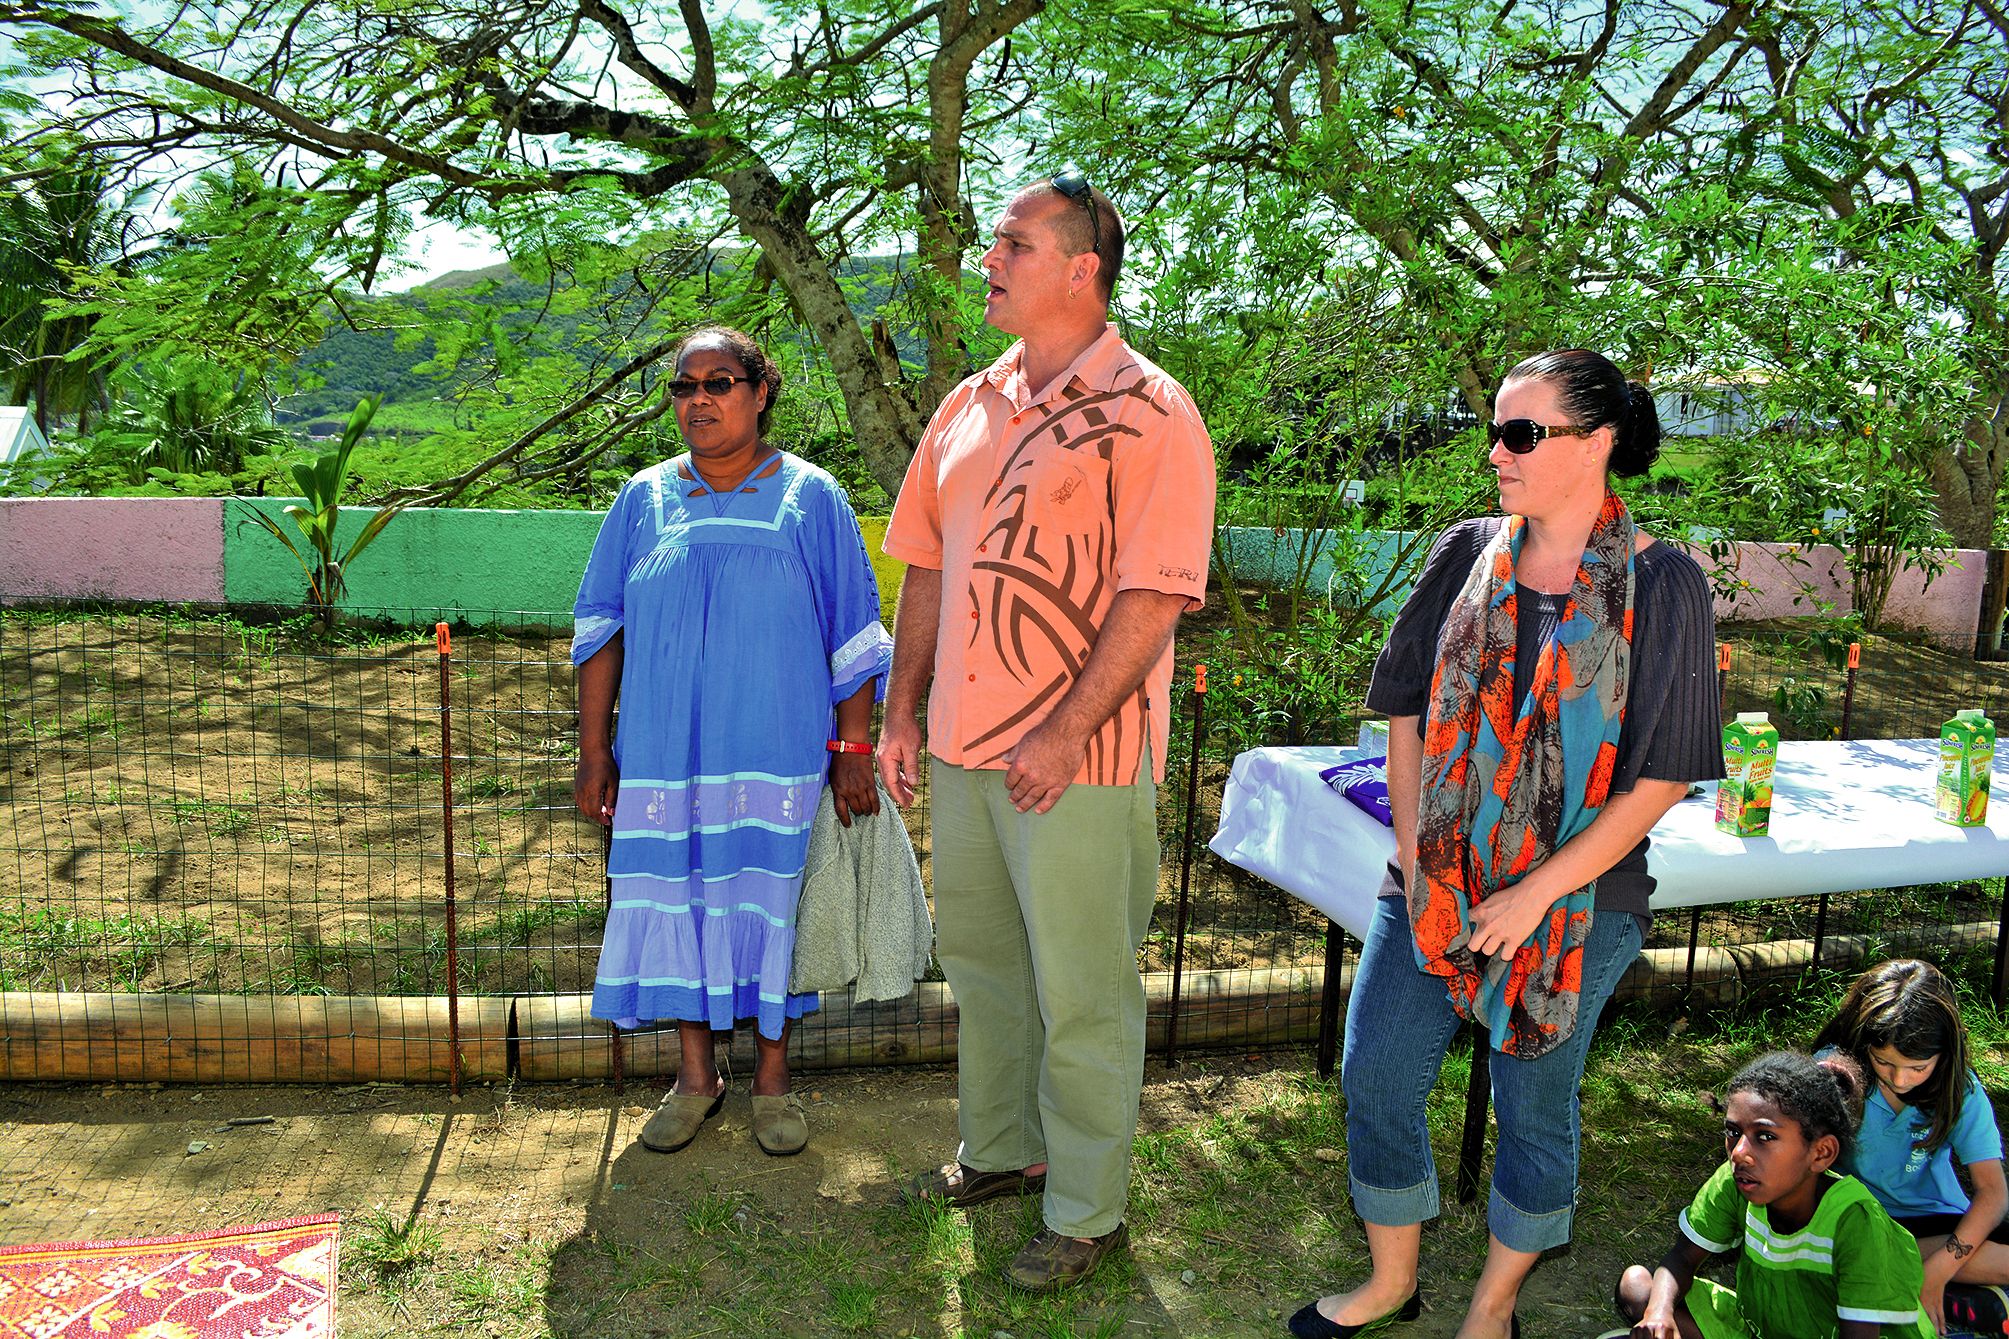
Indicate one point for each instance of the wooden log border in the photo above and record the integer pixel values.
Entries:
(100, 1037)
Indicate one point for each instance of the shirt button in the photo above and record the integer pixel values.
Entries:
(973, 613)
(983, 548)
(973, 678)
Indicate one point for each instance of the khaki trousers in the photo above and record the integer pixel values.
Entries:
(1037, 922)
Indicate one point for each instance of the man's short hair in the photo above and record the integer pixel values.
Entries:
(1105, 234)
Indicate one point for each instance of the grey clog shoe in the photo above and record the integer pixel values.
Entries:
(678, 1120)
(779, 1126)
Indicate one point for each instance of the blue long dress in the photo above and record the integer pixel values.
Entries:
(746, 617)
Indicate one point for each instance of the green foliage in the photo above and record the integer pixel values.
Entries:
(1287, 682)
(54, 226)
(240, 244)
(183, 416)
(1803, 706)
(321, 485)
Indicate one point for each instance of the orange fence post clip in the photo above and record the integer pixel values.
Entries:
(443, 639)
(1848, 711)
(1199, 678)
(1722, 657)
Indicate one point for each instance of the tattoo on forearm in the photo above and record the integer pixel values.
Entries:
(1957, 1248)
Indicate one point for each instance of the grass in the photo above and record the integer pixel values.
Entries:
(518, 928)
(1239, 1213)
(222, 819)
(42, 947)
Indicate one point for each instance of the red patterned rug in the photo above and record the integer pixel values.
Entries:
(273, 1281)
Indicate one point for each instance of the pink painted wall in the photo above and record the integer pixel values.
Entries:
(1946, 609)
(107, 548)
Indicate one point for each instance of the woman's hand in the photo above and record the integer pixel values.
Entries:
(596, 785)
(1503, 922)
(851, 788)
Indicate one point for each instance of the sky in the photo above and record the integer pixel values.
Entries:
(441, 248)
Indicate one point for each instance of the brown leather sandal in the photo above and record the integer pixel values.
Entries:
(959, 1186)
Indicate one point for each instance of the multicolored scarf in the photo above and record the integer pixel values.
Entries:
(1504, 784)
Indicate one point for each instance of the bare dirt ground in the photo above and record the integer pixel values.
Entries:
(552, 1220)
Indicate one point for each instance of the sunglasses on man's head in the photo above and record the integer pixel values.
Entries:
(1072, 182)
(683, 388)
(1522, 435)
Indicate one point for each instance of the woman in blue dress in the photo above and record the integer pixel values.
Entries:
(730, 606)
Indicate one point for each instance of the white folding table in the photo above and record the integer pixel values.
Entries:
(1846, 815)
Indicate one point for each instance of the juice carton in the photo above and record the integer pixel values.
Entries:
(1744, 799)
(1966, 752)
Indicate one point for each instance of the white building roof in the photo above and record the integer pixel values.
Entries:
(18, 434)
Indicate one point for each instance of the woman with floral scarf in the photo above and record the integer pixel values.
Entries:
(1551, 693)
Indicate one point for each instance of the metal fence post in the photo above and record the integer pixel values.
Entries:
(1848, 710)
(1849, 687)
(616, 1056)
(1186, 861)
(444, 639)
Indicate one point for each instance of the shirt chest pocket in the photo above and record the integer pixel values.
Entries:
(1071, 489)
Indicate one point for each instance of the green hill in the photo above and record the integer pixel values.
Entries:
(397, 353)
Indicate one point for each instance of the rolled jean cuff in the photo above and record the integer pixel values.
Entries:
(1519, 1230)
(1394, 1208)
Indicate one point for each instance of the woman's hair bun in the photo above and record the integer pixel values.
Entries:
(1638, 444)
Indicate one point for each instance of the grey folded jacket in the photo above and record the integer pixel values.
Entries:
(862, 916)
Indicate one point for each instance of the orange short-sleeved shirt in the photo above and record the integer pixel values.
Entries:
(1037, 510)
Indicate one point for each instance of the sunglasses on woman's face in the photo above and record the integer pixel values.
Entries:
(1522, 435)
(683, 388)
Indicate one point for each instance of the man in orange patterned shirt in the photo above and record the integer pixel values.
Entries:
(1056, 521)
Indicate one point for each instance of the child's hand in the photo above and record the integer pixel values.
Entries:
(1656, 1324)
(1932, 1300)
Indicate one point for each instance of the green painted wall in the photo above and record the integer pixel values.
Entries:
(489, 566)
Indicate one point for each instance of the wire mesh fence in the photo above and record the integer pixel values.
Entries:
(226, 855)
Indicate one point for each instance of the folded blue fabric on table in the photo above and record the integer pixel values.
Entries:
(1365, 783)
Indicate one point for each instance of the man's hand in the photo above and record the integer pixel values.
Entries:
(596, 786)
(851, 788)
(900, 756)
(1043, 766)
(1503, 922)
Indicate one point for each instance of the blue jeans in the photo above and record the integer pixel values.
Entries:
(1397, 1026)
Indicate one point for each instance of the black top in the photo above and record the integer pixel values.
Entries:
(1673, 725)
(1537, 616)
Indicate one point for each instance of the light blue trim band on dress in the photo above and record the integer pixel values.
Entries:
(590, 634)
(871, 641)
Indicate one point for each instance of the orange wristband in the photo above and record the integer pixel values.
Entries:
(846, 746)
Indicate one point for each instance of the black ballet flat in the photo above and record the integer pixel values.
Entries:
(1309, 1324)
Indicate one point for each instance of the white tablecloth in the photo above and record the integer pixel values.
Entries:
(1848, 815)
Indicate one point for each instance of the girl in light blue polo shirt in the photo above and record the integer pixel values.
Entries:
(1925, 1111)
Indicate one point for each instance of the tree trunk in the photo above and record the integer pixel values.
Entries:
(1967, 476)
(885, 424)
